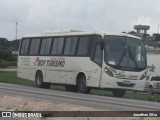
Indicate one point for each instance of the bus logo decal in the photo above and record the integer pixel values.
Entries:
(53, 62)
(36, 61)
(151, 68)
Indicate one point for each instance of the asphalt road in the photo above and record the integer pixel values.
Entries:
(103, 102)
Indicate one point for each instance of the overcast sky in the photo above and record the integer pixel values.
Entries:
(37, 16)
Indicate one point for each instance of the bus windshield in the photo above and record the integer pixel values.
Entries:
(125, 53)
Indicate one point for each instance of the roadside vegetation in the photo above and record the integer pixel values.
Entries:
(7, 59)
(11, 77)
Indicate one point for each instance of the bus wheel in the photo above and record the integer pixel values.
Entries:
(81, 84)
(118, 92)
(71, 88)
(39, 81)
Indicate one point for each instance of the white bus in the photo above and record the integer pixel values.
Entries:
(83, 60)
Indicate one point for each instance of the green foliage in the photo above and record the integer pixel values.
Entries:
(141, 96)
(7, 59)
(5, 64)
(157, 38)
(101, 92)
(58, 87)
(9, 45)
(11, 77)
(5, 55)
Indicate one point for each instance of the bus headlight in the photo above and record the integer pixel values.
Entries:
(106, 70)
(143, 76)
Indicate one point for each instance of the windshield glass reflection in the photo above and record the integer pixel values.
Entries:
(125, 53)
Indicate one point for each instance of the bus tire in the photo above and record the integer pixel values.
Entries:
(118, 93)
(81, 84)
(39, 81)
(71, 88)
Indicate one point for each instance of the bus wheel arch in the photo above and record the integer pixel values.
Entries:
(39, 80)
(82, 83)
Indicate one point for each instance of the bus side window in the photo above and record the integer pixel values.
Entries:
(97, 55)
(54, 46)
(67, 45)
(70, 46)
(60, 46)
(34, 47)
(45, 46)
(57, 46)
(73, 45)
(24, 47)
(83, 46)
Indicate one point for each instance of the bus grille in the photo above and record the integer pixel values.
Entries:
(120, 76)
(131, 77)
(125, 85)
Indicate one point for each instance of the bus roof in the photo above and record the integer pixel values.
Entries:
(76, 32)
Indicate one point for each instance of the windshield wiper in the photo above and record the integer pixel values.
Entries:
(121, 58)
(132, 57)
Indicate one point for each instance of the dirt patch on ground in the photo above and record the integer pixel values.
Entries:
(8, 69)
(18, 103)
(27, 104)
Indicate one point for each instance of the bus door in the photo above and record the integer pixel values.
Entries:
(97, 55)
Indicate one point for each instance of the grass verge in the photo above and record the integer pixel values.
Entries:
(5, 64)
(11, 77)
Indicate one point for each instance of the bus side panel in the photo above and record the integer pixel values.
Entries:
(56, 72)
(23, 73)
(74, 65)
(24, 69)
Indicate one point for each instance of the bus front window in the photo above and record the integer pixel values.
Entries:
(125, 53)
(116, 51)
(136, 53)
